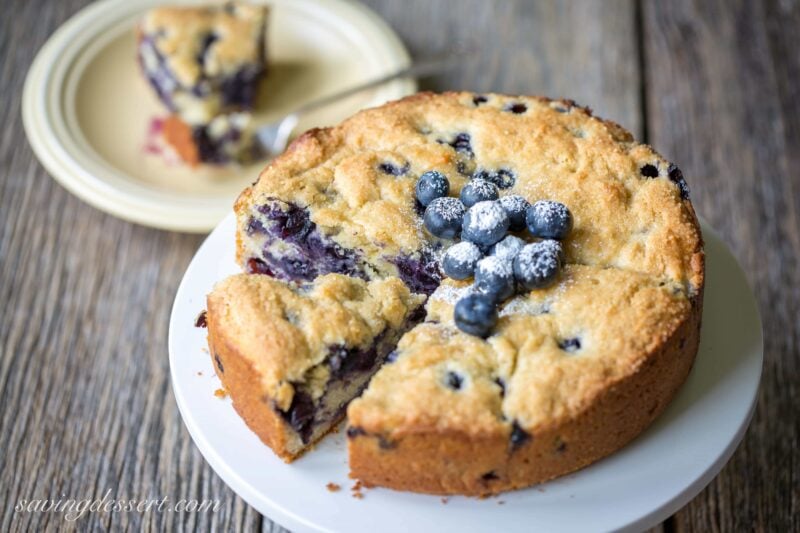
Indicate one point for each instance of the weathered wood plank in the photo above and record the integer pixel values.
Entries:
(723, 80)
(83, 373)
(583, 50)
(84, 381)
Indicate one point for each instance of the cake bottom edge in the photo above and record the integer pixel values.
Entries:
(461, 464)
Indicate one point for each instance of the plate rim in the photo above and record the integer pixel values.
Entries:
(286, 518)
(97, 182)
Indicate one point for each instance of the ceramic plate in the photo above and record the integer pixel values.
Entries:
(87, 110)
(633, 489)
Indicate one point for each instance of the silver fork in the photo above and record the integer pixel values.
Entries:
(274, 136)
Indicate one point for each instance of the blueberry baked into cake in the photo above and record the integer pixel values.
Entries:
(205, 64)
(561, 267)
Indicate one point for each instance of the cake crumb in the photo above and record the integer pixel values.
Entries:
(201, 321)
(501, 502)
(221, 393)
(199, 373)
(445, 500)
(356, 490)
(333, 487)
(358, 496)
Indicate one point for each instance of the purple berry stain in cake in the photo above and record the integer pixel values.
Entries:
(343, 360)
(518, 436)
(295, 249)
(420, 273)
(393, 169)
(158, 73)
(461, 143)
(300, 414)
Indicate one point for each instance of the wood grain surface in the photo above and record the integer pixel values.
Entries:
(85, 298)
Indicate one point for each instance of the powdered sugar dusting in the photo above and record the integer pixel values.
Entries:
(483, 187)
(450, 294)
(464, 253)
(538, 259)
(508, 248)
(514, 203)
(486, 215)
(549, 211)
(495, 266)
(524, 306)
(448, 208)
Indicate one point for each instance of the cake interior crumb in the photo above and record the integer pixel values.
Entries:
(333, 487)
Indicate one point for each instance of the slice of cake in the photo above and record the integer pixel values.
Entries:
(293, 356)
(205, 64)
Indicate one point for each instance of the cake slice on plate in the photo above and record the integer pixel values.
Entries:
(205, 64)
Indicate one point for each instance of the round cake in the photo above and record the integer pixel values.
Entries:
(567, 372)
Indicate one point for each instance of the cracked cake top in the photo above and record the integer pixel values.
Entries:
(356, 181)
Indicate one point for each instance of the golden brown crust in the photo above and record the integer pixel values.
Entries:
(457, 463)
(178, 134)
(250, 399)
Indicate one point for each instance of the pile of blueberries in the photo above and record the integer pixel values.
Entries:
(500, 263)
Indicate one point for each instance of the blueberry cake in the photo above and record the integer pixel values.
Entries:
(562, 266)
(294, 354)
(205, 64)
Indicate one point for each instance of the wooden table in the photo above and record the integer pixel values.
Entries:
(84, 381)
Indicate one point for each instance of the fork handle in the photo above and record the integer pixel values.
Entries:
(419, 68)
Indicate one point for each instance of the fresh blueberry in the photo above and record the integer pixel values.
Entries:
(392, 169)
(508, 248)
(430, 186)
(478, 190)
(516, 108)
(504, 178)
(549, 220)
(495, 278)
(475, 314)
(460, 260)
(461, 143)
(676, 177)
(537, 265)
(444, 217)
(454, 380)
(570, 345)
(649, 171)
(518, 436)
(515, 206)
(555, 247)
(485, 223)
